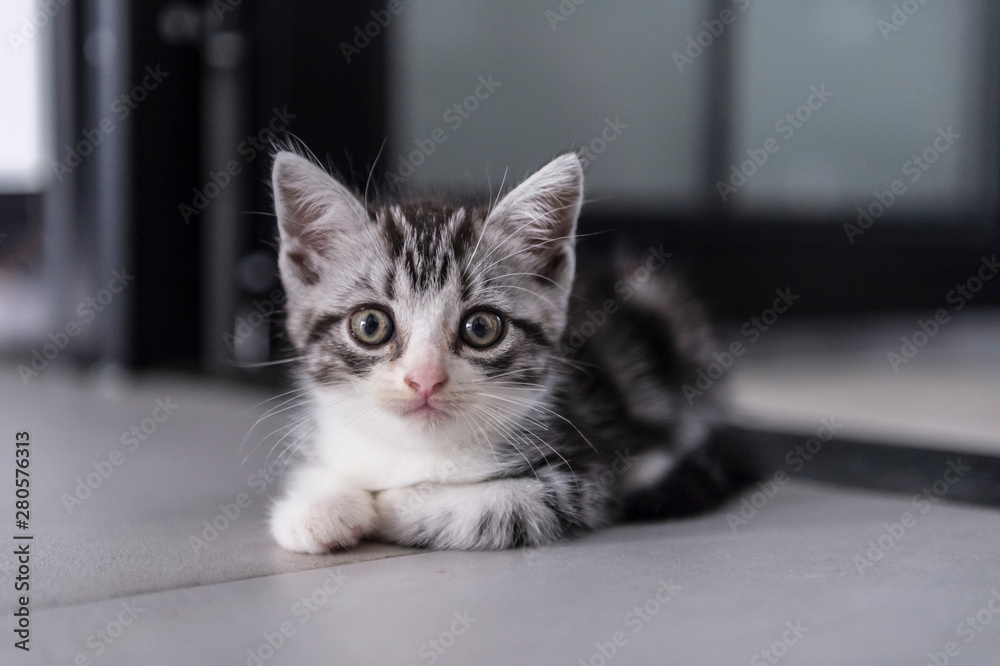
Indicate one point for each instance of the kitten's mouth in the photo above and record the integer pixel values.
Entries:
(425, 411)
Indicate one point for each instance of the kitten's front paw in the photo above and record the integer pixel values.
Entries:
(311, 525)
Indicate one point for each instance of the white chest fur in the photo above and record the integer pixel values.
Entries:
(381, 451)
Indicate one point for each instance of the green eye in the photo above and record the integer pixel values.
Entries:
(371, 327)
(482, 329)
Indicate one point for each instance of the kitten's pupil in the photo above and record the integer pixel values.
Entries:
(479, 326)
(370, 325)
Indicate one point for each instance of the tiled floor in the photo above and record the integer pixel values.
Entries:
(136, 573)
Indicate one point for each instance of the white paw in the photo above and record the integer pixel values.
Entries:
(319, 525)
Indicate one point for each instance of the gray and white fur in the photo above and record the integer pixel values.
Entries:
(448, 405)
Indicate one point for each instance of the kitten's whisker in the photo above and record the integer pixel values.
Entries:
(503, 428)
(486, 222)
(271, 413)
(579, 365)
(527, 386)
(516, 233)
(534, 405)
(300, 401)
(531, 433)
(280, 395)
(265, 364)
(534, 246)
(290, 425)
(511, 372)
(531, 247)
(469, 419)
(291, 446)
(478, 268)
(510, 411)
(511, 286)
(541, 277)
(372, 170)
(294, 447)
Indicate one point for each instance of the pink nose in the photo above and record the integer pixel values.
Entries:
(426, 381)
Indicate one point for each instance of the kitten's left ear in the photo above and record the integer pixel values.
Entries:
(317, 217)
(541, 215)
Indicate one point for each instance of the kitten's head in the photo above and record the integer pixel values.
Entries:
(424, 311)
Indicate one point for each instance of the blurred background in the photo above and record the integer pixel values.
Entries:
(846, 150)
(823, 173)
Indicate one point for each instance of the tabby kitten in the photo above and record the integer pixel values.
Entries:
(454, 402)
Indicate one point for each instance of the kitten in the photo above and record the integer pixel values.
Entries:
(454, 401)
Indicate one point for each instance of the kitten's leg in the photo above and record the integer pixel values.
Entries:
(502, 513)
(317, 514)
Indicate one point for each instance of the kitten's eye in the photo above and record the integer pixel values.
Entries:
(482, 329)
(371, 326)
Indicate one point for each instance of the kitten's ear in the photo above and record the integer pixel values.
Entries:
(314, 212)
(541, 214)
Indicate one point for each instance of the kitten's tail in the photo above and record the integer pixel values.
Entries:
(702, 481)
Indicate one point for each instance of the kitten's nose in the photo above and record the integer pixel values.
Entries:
(426, 381)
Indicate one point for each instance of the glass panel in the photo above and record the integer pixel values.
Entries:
(900, 100)
(598, 76)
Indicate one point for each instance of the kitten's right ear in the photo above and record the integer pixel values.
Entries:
(314, 212)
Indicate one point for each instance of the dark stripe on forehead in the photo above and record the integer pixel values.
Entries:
(445, 267)
(465, 235)
(389, 283)
(427, 255)
(392, 235)
(466, 281)
(321, 327)
(411, 268)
